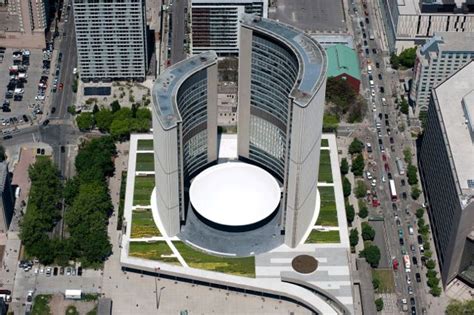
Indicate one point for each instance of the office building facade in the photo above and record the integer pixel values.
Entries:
(282, 78)
(23, 23)
(436, 60)
(7, 200)
(111, 39)
(215, 23)
(185, 123)
(411, 22)
(447, 172)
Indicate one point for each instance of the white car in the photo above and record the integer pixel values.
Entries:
(39, 97)
(36, 270)
(374, 108)
(369, 176)
(373, 183)
(74, 71)
(383, 178)
(408, 280)
(373, 93)
(42, 270)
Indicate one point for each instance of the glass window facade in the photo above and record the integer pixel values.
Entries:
(192, 104)
(274, 72)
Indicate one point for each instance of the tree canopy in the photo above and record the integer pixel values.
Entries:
(356, 146)
(354, 237)
(372, 254)
(344, 166)
(346, 187)
(345, 100)
(460, 308)
(368, 233)
(358, 165)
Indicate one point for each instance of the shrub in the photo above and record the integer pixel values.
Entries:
(346, 187)
(379, 304)
(344, 166)
(368, 233)
(354, 237)
(360, 189)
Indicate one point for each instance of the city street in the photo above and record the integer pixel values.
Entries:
(388, 145)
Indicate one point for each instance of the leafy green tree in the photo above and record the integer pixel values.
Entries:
(358, 165)
(346, 187)
(407, 57)
(103, 119)
(3, 156)
(140, 125)
(415, 192)
(368, 233)
(94, 160)
(407, 155)
(74, 86)
(431, 273)
(143, 114)
(123, 114)
(379, 304)
(115, 106)
(432, 282)
(357, 110)
(354, 237)
(356, 146)
(350, 213)
(412, 174)
(426, 245)
(404, 107)
(340, 93)
(420, 212)
(372, 254)
(436, 291)
(428, 253)
(360, 189)
(344, 166)
(460, 308)
(424, 230)
(71, 189)
(394, 61)
(430, 264)
(421, 222)
(85, 121)
(375, 283)
(363, 212)
(120, 129)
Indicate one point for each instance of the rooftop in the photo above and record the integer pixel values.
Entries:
(310, 54)
(167, 85)
(450, 41)
(235, 194)
(342, 59)
(450, 94)
(410, 7)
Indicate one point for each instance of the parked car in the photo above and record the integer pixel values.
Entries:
(418, 277)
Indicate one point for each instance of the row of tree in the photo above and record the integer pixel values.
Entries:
(117, 121)
(87, 206)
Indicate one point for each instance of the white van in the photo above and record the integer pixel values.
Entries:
(369, 69)
(17, 192)
(371, 82)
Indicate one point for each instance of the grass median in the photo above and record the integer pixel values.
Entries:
(143, 224)
(241, 266)
(143, 188)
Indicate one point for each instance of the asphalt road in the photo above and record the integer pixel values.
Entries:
(178, 30)
(391, 152)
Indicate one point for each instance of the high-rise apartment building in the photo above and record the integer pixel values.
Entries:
(447, 172)
(111, 39)
(23, 23)
(282, 79)
(411, 22)
(215, 23)
(6, 198)
(436, 60)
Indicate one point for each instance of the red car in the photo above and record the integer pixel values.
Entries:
(384, 157)
(375, 203)
(387, 168)
(61, 86)
(395, 264)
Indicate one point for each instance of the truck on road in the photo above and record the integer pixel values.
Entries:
(73, 294)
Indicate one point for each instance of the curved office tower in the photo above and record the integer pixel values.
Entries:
(282, 79)
(184, 132)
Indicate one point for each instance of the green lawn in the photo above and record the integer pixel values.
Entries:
(41, 305)
(145, 144)
(123, 186)
(325, 174)
(328, 212)
(143, 187)
(145, 162)
(387, 284)
(324, 142)
(242, 266)
(153, 251)
(143, 224)
(323, 237)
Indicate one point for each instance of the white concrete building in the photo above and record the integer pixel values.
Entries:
(410, 22)
(436, 60)
(215, 23)
(111, 39)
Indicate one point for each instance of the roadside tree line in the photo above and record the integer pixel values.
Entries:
(87, 207)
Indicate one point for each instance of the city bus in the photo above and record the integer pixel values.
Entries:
(406, 262)
(393, 191)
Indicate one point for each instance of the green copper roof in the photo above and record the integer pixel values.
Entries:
(342, 59)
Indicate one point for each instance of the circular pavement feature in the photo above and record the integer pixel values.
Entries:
(235, 194)
(304, 264)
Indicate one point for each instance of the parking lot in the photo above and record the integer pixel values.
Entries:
(17, 108)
